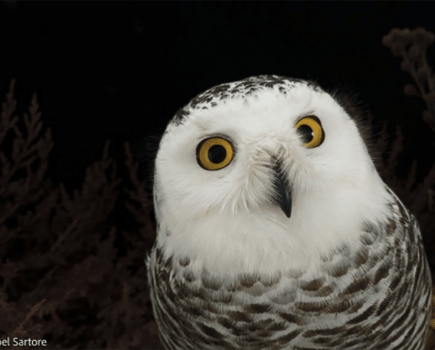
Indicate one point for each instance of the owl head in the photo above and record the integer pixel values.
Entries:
(263, 173)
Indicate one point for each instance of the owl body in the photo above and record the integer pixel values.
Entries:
(275, 230)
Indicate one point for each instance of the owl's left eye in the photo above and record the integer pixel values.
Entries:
(214, 153)
(310, 131)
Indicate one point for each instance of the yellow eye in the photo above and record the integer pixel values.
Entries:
(310, 131)
(214, 153)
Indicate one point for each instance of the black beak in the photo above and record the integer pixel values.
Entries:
(283, 193)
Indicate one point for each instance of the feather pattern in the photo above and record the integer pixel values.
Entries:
(379, 299)
(345, 269)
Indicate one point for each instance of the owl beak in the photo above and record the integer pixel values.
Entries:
(283, 194)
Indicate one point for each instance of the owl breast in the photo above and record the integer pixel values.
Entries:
(375, 297)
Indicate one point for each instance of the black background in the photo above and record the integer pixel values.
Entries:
(120, 70)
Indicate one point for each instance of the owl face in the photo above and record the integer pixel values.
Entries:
(281, 167)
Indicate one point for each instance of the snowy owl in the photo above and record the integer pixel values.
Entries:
(275, 231)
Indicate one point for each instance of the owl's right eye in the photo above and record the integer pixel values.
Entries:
(214, 153)
(310, 131)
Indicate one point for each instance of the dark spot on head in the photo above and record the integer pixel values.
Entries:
(239, 89)
(180, 116)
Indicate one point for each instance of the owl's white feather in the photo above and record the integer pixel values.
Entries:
(225, 220)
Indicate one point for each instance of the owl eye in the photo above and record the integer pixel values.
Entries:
(214, 153)
(310, 131)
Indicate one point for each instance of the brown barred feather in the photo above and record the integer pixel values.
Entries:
(200, 311)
